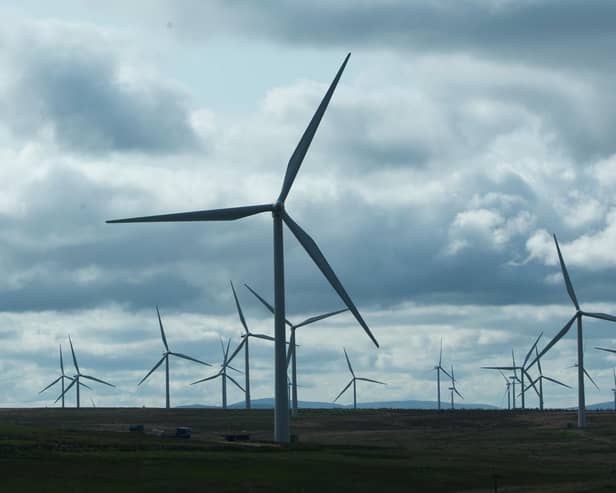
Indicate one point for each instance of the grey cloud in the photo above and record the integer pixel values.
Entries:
(75, 89)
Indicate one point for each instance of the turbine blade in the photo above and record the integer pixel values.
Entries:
(606, 349)
(530, 351)
(51, 384)
(343, 390)
(313, 250)
(236, 384)
(556, 338)
(508, 368)
(73, 353)
(97, 380)
(602, 316)
(459, 394)
(239, 308)
(183, 356)
(530, 380)
(227, 350)
(61, 361)
(445, 371)
(506, 380)
(237, 349)
(263, 336)
(162, 331)
(291, 347)
(591, 379)
(84, 385)
(513, 359)
(228, 214)
(208, 378)
(440, 355)
(553, 380)
(302, 147)
(312, 320)
(349, 363)
(152, 370)
(538, 362)
(370, 380)
(568, 284)
(66, 390)
(234, 369)
(267, 305)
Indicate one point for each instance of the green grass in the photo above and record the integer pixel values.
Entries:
(90, 450)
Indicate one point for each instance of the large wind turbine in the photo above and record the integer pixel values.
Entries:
(60, 379)
(540, 380)
(292, 352)
(354, 382)
(279, 214)
(78, 376)
(244, 344)
(223, 373)
(165, 359)
(580, 341)
(439, 368)
(453, 388)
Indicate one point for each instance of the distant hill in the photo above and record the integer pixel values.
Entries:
(268, 403)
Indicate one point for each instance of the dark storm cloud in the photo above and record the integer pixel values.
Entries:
(76, 90)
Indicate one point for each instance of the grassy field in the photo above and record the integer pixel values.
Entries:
(90, 450)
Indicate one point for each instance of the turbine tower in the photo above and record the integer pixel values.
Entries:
(354, 382)
(580, 341)
(453, 389)
(439, 368)
(244, 344)
(166, 354)
(279, 214)
(60, 379)
(223, 373)
(78, 376)
(292, 352)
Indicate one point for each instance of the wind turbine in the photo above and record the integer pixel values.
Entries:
(244, 344)
(165, 359)
(453, 389)
(60, 379)
(354, 382)
(438, 368)
(292, 352)
(223, 373)
(279, 214)
(79, 376)
(541, 378)
(614, 389)
(507, 390)
(580, 345)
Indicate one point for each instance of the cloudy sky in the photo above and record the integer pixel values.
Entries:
(459, 139)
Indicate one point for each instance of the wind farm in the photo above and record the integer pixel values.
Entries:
(410, 208)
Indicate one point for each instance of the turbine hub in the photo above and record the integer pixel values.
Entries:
(278, 207)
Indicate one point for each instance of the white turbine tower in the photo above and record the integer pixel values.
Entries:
(78, 376)
(165, 359)
(453, 388)
(245, 339)
(61, 378)
(439, 368)
(354, 382)
(279, 214)
(222, 373)
(580, 341)
(292, 352)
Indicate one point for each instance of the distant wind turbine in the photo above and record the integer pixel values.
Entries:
(354, 382)
(514, 368)
(507, 390)
(540, 380)
(453, 388)
(580, 342)
(166, 354)
(60, 379)
(78, 376)
(222, 373)
(281, 410)
(244, 344)
(439, 368)
(292, 352)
